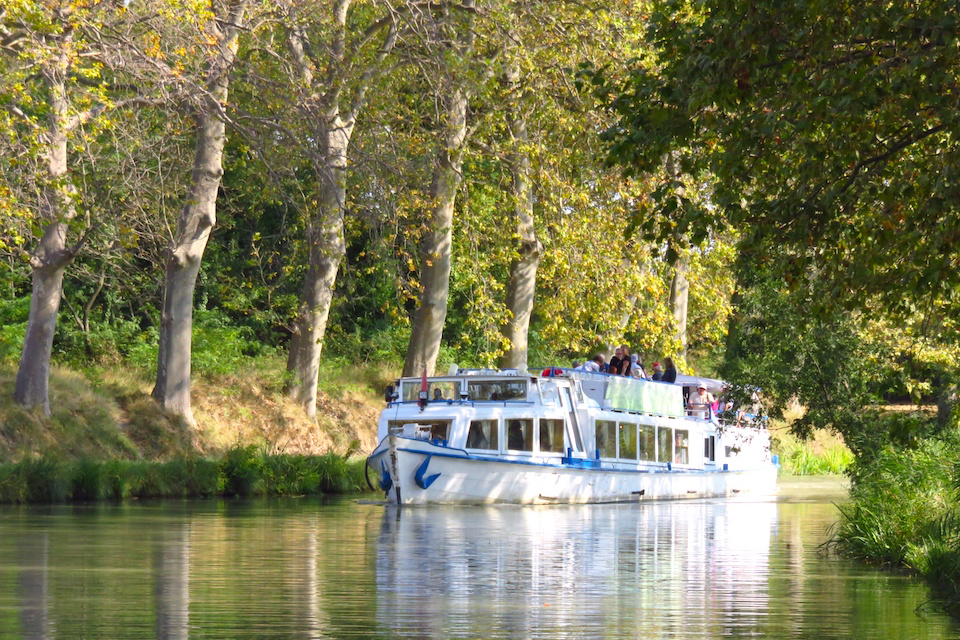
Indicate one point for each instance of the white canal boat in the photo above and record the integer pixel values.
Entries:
(560, 436)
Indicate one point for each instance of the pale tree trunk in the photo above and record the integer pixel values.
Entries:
(197, 218)
(436, 247)
(521, 289)
(51, 257)
(679, 294)
(679, 287)
(326, 249)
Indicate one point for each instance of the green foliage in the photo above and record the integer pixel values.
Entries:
(242, 472)
(802, 461)
(747, 96)
(905, 511)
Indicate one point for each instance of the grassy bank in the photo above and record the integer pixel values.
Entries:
(241, 472)
(905, 512)
(107, 439)
(107, 413)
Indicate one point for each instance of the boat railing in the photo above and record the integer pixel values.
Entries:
(461, 401)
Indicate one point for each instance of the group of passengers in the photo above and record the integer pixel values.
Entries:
(624, 363)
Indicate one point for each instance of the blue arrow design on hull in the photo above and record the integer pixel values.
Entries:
(385, 480)
(424, 481)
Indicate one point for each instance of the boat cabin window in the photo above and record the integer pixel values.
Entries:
(498, 390)
(628, 441)
(710, 448)
(520, 434)
(426, 429)
(449, 390)
(551, 435)
(607, 438)
(647, 444)
(484, 434)
(664, 444)
(682, 446)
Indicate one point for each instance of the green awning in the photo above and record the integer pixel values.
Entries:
(629, 394)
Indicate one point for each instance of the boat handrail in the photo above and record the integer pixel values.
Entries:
(449, 401)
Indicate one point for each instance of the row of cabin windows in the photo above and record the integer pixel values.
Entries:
(615, 440)
(624, 440)
(498, 391)
(628, 441)
(544, 435)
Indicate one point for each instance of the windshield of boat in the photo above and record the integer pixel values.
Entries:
(498, 390)
(436, 390)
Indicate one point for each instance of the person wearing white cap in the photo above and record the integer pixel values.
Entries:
(636, 367)
(701, 401)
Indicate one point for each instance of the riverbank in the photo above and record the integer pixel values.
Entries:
(241, 472)
(107, 439)
(107, 413)
(904, 512)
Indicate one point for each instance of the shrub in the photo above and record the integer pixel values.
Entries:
(240, 472)
(905, 511)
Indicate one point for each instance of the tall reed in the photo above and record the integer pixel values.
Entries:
(905, 511)
(242, 471)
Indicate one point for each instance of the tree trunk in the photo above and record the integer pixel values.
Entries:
(946, 401)
(51, 256)
(521, 289)
(199, 214)
(436, 247)
(679, 293)
(326, 249)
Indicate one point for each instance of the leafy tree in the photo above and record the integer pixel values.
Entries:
(183, 257)
(66, 66)
(831, 126)
(828, 135)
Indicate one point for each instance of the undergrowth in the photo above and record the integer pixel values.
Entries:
(905, 512)
(241, 472)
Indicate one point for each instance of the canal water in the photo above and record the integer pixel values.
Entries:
(313, 569)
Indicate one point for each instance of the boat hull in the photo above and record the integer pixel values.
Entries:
(420, 472)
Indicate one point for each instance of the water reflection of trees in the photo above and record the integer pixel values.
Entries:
(301, 569)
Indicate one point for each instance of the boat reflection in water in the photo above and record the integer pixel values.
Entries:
(685, 568)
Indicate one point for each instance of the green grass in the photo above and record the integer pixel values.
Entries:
(905, 512)
(241, 472)
(803, 460)
(823, 454)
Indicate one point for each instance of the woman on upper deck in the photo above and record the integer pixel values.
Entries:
(670, 375)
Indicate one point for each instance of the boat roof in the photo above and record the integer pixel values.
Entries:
(713, 385)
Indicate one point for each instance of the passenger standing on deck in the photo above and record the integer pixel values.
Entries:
(625, 361)
(595, 365)
(670, 375)
(614, 366)
(636, 367)
(657, 371)
(702, 401)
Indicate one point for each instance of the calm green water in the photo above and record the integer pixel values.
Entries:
(302, 568)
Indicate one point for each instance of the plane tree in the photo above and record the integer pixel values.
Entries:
(828, 132)
(67, 68)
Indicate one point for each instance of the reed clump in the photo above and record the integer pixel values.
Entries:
(905, 512)
(241, 472)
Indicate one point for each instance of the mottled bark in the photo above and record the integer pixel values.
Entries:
(946, 402)
(521, 288)
(325, 231)
(196, 220)
(326, 249)
(52, 255)
(436, 247)
(679, 294)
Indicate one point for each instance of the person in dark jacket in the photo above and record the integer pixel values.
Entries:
(670, 374)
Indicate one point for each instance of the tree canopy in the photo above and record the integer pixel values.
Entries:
(830, 126)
